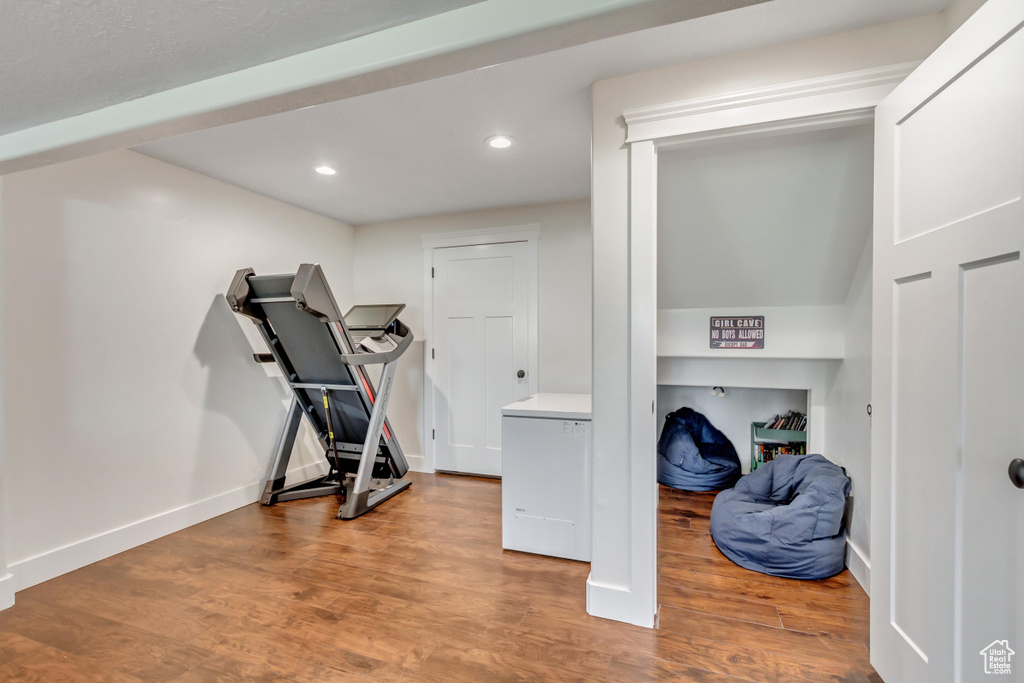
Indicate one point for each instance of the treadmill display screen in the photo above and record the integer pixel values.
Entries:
(372, 317)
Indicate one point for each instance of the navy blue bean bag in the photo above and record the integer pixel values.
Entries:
(694, 456)
(785, 518)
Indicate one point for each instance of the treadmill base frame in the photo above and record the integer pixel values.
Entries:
(355, 503)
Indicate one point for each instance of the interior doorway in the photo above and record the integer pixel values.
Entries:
(833, 101)
(480, 351)
(776, 229)
(481, 314)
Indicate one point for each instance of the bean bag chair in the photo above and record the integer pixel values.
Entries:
(694, 456)
(785, 518)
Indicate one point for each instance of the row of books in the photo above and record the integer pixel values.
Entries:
(766, 452)
(792, 420)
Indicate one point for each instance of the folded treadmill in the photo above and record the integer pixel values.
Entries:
(323, 356)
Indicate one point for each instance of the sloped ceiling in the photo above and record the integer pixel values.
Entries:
(779, 221)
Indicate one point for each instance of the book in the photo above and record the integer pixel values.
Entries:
(791, 421)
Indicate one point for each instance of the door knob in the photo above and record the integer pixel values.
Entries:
(1017, 473)
(521, 374)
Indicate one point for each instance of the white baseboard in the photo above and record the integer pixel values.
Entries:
(616, 603)
(6, 591)
(297, 475)
(859, 565)
(53, 563)
(417, 463)
(310, 471)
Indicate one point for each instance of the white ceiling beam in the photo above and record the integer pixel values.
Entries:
(471, 37)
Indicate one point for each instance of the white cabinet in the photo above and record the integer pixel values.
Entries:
(545, 475)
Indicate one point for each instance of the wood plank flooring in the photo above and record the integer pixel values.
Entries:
(420, 590)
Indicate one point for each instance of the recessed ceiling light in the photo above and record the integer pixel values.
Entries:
(499, 141)
(325, 170)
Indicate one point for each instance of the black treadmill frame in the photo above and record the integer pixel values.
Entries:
(366, 473)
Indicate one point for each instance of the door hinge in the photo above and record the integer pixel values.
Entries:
(431, 272)
(433, 433)
(432, 356)
(652, 407)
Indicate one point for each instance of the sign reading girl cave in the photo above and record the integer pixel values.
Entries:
(745, 332)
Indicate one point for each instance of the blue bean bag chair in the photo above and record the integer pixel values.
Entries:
(694, 456)
(785, 518)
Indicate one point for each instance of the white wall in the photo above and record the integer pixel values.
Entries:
(790, 332)
(388, 267)
(133, 405)
(621, 583)
(848, 431)
(814, 376)
(731, 414)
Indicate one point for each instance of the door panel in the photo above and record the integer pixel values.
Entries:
(979, 131)
(499, 336)
(947, 531)
(481, 329)
(916, 446)
(460, 383)
(993, 431)
(480, 280)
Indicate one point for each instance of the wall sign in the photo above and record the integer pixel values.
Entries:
(744, 332)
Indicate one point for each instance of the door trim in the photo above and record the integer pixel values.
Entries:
(836, 100)
(469, 238)
(851, 96)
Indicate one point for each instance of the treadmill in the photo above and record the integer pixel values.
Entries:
(323, 356)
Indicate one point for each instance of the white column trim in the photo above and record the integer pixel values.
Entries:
(841, 99)
(643, 383)
(6, 579)
(426, 463)
(6, 591)
(467, 238)
(637, 602)
(611, 602)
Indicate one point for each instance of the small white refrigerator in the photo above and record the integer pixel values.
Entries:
(545, 475)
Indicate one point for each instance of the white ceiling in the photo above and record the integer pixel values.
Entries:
(779, 221)
(418, 150)
(59, 59)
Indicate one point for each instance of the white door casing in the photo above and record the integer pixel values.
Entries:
(836, 100)
(481, 330)
(947, 525)
(481, 345)
(6, 582)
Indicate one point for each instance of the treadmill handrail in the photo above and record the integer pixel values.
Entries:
(405, 337)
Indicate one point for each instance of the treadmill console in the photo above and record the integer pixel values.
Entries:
(371, 321)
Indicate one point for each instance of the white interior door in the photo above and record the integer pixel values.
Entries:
(948, 371)
(481, 346)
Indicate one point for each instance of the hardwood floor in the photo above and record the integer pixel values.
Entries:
(420, 590)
